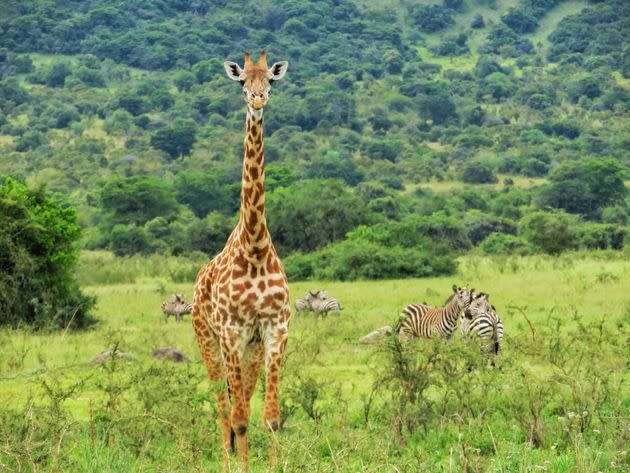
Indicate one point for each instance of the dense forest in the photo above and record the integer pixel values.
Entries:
(405, 133)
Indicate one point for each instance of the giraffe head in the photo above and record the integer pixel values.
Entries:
(256, 78)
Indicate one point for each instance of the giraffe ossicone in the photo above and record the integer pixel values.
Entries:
(241, 309)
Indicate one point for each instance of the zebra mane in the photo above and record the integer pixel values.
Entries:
(450, 298)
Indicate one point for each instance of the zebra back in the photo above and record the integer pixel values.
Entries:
(328, 305)
(484, 324)
(301, 305)
(426, 322)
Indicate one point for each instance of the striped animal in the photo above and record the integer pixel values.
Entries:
(420, 320)
(318, 302)
(482, 321)
(176, 307)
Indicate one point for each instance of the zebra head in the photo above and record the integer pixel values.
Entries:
(462, 295)
(479, 305)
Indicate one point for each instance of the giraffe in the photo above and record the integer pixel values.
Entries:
(241, 309)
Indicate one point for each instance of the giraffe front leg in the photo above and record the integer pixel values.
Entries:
(239, 416)
(210, 350)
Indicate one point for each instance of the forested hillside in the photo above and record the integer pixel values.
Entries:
(404, 134)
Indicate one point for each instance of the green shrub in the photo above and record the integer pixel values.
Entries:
(551, 232)
(38, 253)
(502, 244)
(601, 236)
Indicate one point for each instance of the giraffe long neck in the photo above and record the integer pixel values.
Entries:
(254, 235)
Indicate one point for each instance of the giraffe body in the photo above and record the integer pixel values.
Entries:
(241, 308)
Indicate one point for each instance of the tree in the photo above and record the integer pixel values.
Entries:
(520, 21)
(176, 139)
(55, 75)
(550, 232)
(206, 192)
(310, 214)
(137, 199)
(476, 172)
(584, 187)
(184, 80)
(478, 22)
(38, 253)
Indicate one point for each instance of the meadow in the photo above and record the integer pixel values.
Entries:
(557, 398)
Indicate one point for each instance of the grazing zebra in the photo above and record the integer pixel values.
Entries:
(176, 307)
(483, 322)
(318, 302)
(427, 322)
(307, 302)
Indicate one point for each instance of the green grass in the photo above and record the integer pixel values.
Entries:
(592, 286)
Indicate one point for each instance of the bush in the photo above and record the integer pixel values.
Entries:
(502, 244)
(550, 232)
(478, 173)
(357, 258)
(176, 139)
(38, 253)
(601, 236)
(310, 214)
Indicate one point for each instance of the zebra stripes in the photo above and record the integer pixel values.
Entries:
(483, 322)
(318, 302)
(423, 321)
(176, 307)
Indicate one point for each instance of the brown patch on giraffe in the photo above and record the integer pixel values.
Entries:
(275, 282)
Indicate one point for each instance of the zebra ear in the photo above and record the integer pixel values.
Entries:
(454, 287)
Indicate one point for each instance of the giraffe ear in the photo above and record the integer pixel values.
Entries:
(278, 70)
(233, 70)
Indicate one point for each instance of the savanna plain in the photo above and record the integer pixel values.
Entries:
(556, 399)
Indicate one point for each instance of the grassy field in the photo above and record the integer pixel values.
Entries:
(558, 399)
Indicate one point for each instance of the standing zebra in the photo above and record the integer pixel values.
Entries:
(483, 322)
(318, 302)
(176, 307)
(427, 322)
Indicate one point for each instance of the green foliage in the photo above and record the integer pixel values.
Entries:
(431, 18)
(136, 200)
(206, 192)
(369, 97)
(176, 139)
(38, 252)
(585, 187)
(598, 31)
(477, 172)
(502, 244)
(310, 214)
(549, 232)
(601, 236)
(358, 258)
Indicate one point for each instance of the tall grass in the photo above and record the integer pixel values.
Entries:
(557, 399)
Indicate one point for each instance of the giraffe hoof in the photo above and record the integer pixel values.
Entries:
(241, 430)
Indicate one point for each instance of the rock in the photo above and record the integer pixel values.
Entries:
(170, 354)
(107, 354)
(376, 335)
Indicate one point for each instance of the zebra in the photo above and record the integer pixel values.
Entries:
(177, 307)
(482, 321)
(421, 320)
(318, 302)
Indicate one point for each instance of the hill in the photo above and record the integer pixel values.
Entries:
(101, 102)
